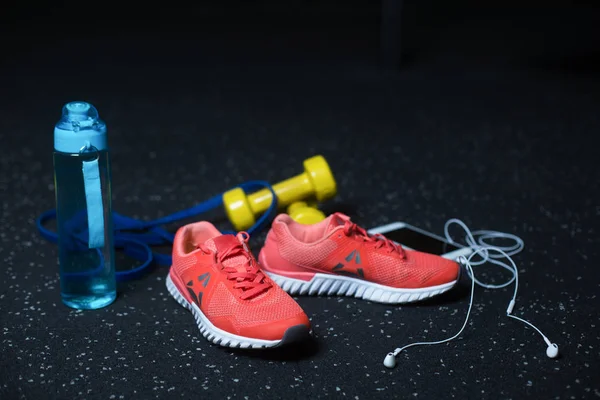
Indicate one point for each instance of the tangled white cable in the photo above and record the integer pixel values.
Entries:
(483, 249)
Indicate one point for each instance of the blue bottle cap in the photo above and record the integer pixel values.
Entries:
(78, 126)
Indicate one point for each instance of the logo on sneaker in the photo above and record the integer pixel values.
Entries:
(351, 267)
(197, 297)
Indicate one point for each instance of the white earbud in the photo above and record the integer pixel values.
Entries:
(390, 360)
(552, 350)
(483, 249)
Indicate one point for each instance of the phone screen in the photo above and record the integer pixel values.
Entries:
(420, 242)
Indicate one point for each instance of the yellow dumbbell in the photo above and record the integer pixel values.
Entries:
(316, 181)
(305, 213)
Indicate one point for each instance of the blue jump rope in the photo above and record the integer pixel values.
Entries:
(136, 238)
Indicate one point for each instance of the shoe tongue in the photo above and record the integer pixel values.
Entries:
(335, 221)
(223, 243)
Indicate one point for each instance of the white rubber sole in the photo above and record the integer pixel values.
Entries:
(326, 284)
(221, 337)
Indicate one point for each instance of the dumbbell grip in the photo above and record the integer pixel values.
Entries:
(288, 191)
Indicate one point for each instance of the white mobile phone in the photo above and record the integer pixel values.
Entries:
(413, 238)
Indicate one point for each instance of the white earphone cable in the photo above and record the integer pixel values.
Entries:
(483, 249)
(398, 350)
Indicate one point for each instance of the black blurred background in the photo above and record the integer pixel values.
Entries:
(522, 31)
(485, 111)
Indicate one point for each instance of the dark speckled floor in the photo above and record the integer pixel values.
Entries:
(497, 138)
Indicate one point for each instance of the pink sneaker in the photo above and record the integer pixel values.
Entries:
(337, 257)
(234, 303)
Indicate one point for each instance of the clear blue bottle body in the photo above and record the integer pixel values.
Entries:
(87, 275)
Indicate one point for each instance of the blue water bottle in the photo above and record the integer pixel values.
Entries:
(82, 184)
